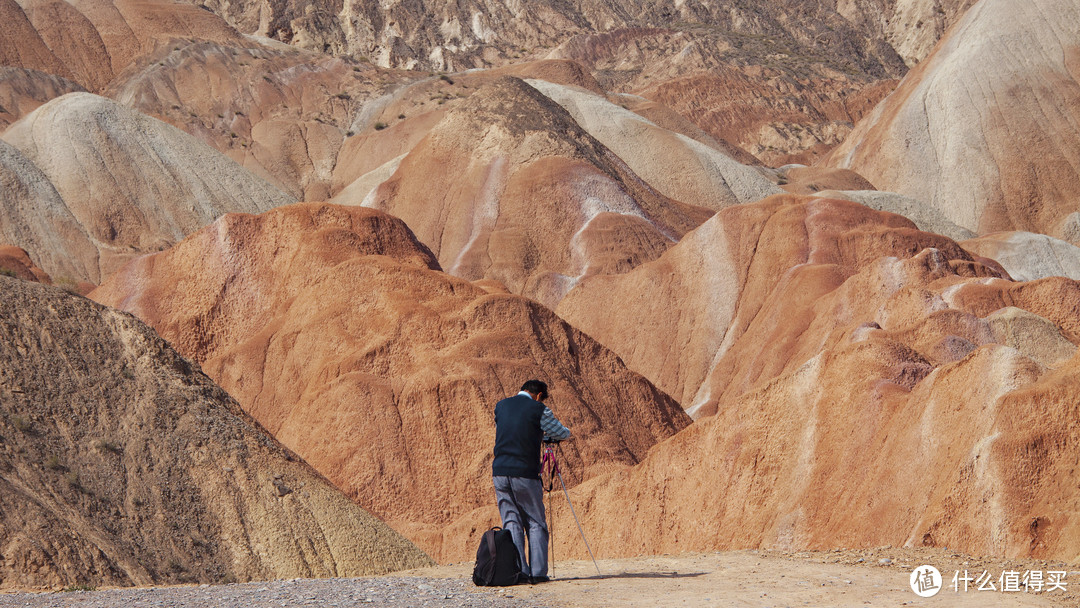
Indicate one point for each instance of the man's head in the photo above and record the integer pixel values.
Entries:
(536, 388)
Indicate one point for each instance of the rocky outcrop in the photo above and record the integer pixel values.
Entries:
(335, 330)
(984, 129)
(771, 97)
(123, 464)
(97, 184)
(509, 187)
(460, 35)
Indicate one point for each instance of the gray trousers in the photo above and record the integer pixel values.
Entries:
(521, 506)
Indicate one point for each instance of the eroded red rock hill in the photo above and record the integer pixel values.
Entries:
(335, 329)
(859, 382)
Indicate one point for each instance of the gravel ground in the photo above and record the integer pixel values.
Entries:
(389, 592)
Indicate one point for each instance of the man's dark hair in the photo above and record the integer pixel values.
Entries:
(536, 387)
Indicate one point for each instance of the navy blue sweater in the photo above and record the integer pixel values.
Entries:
(517, 437)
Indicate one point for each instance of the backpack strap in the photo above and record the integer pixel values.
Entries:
(490, 538)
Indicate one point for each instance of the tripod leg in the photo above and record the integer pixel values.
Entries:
(578, 522)
(551, 538)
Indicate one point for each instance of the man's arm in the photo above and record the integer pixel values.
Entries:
(551, 427)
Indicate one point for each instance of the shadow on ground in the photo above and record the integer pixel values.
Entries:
(633, 575)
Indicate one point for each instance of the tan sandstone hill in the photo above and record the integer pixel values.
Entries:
(985, 129)
(309, 123)
(281, 113)
(509, 187)
(335, 330)
(123, 464)
(22, 46)
(872, 385)
(925, 216)
(117, 184)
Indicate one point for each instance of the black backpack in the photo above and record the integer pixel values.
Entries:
(497, 561)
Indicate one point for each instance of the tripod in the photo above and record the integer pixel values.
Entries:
(550, 464)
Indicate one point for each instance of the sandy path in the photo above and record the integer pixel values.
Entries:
(728, 579)
(773, 579)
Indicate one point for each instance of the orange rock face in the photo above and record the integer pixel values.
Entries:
(14, 262)
(872, 385)
(508, 187)
(985, 128)
(335, 330)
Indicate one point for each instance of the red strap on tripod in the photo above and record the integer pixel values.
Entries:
(549, 465)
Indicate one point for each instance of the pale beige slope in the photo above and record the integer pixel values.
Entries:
(334, 328)
(123, 464)
(134, 184)
(986, 128)
(508, 186)
(1027, 256)
(22, 90)
(915, 26)
(675, 165)
(34, 217)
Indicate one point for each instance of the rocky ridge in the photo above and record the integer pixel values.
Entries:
(123, 464)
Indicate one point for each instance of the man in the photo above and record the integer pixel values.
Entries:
(522, 422)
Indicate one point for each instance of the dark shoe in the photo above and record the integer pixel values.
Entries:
(536, 580)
